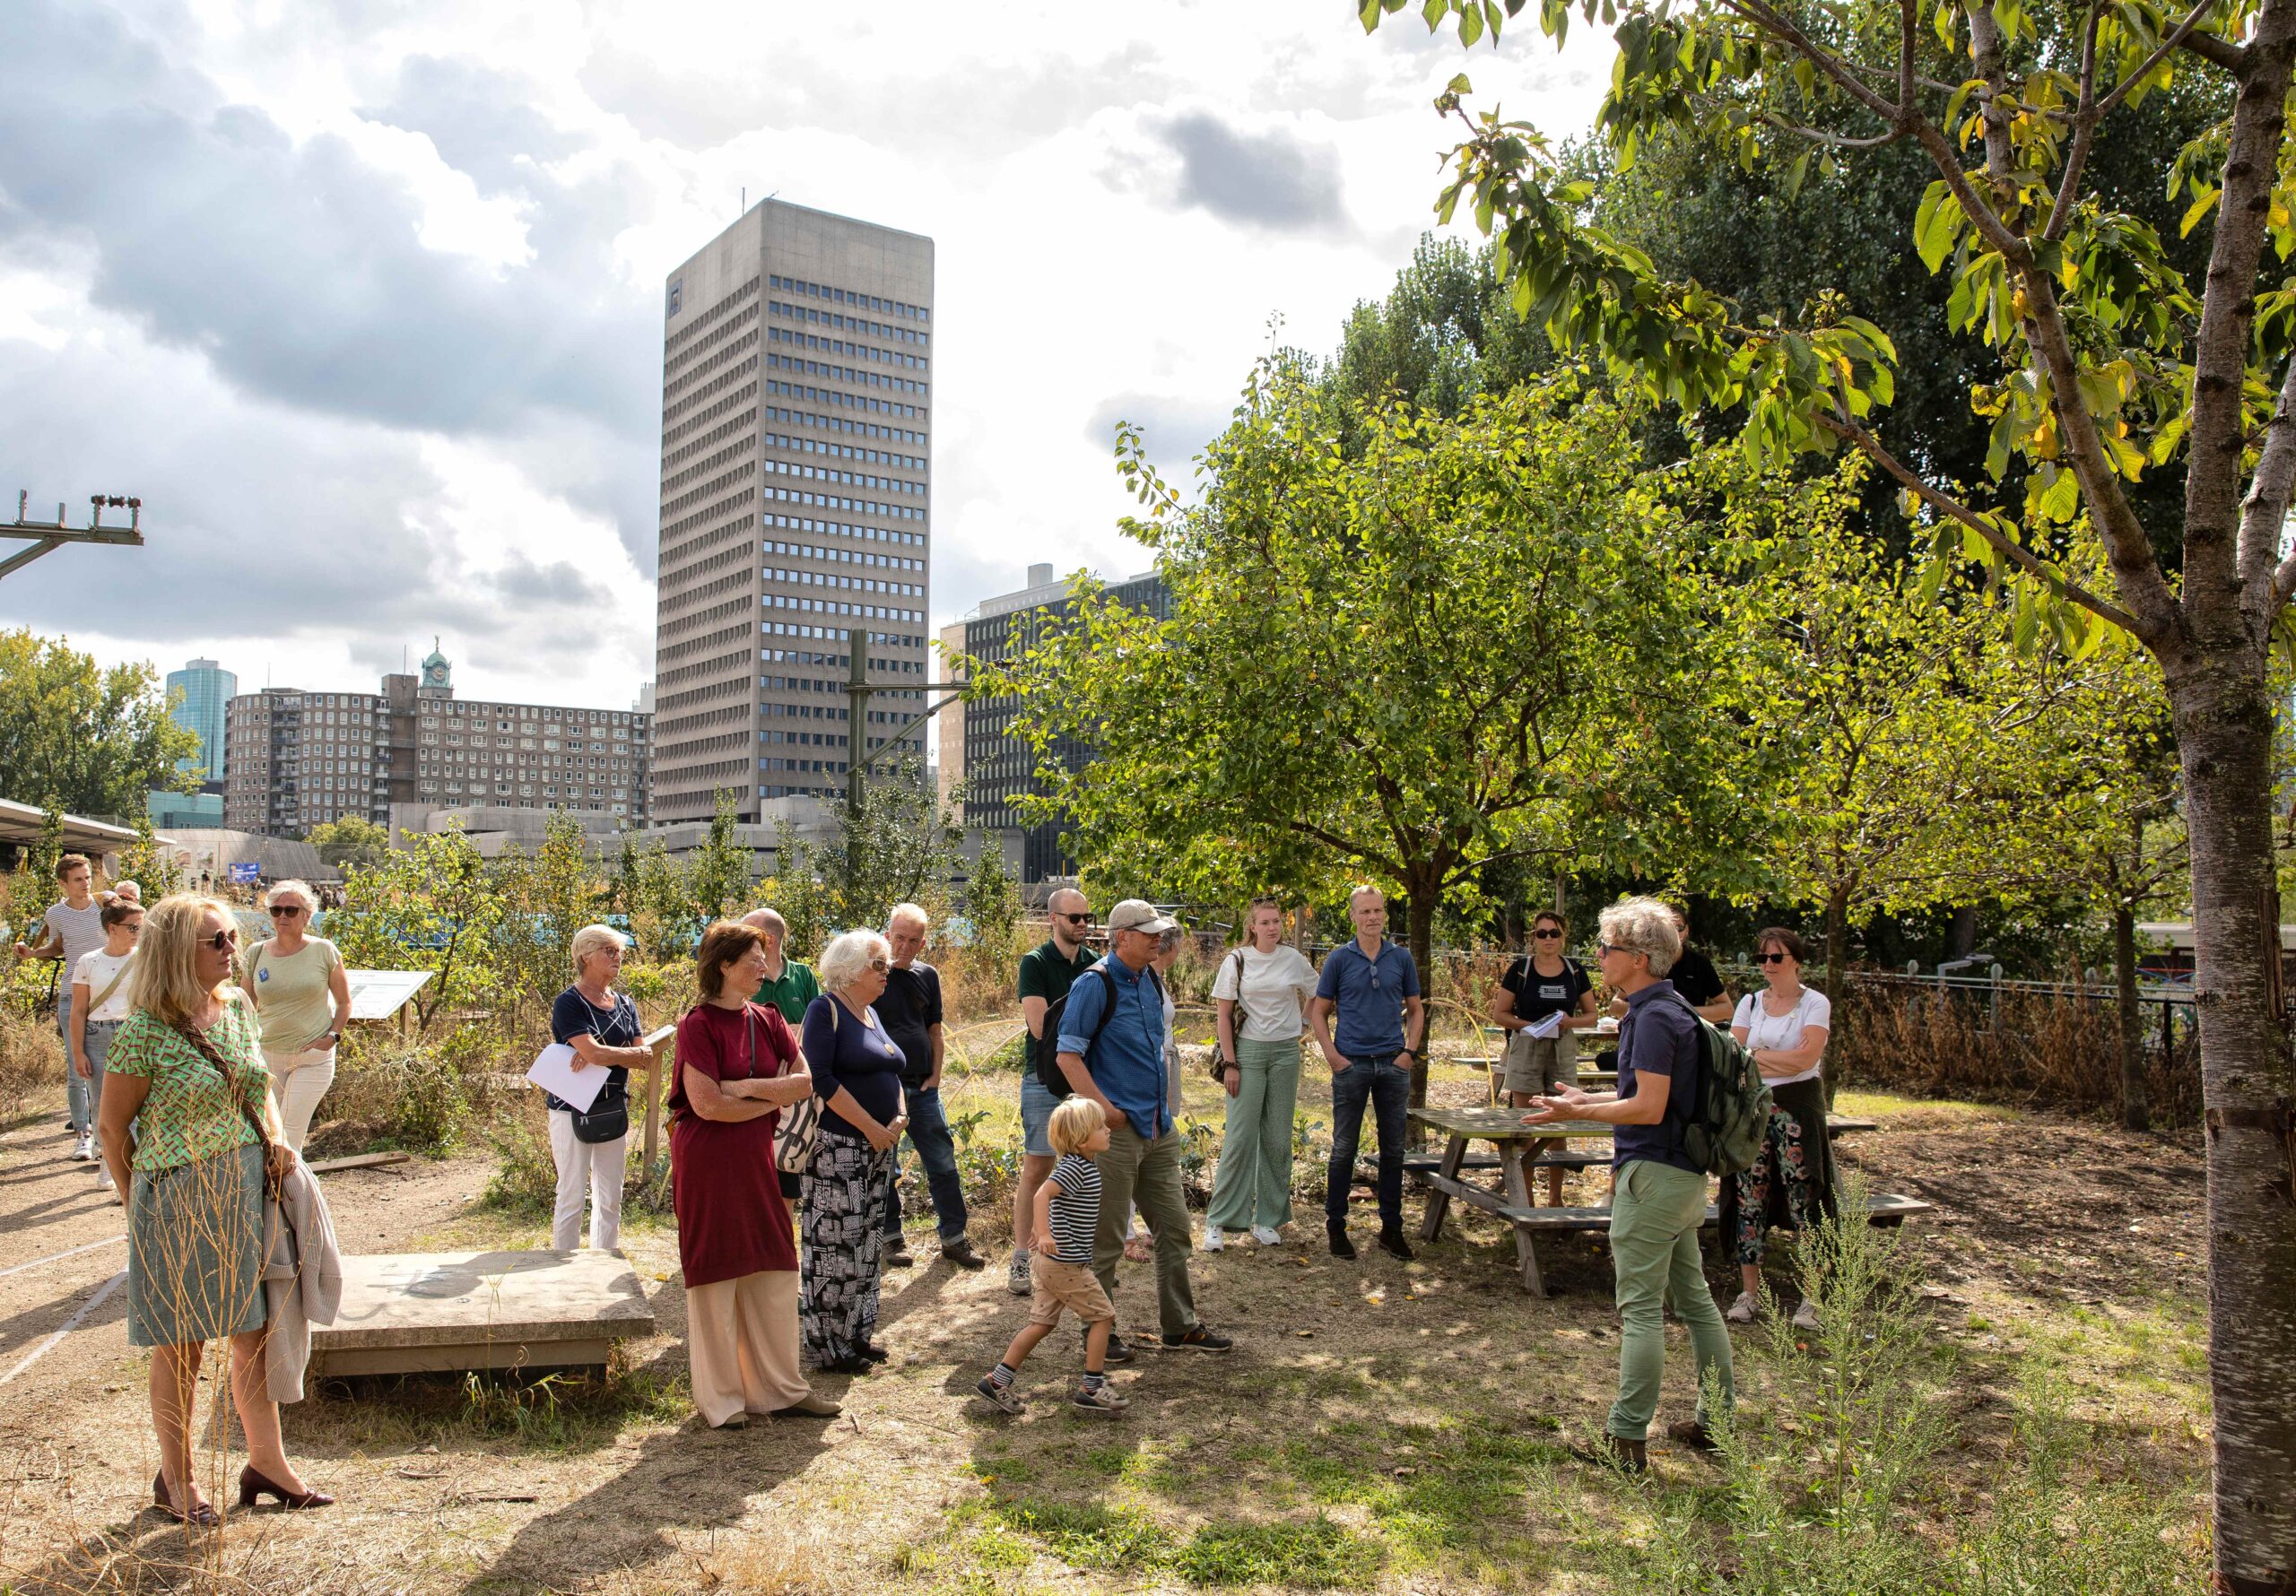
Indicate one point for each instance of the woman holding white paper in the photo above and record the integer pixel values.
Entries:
(1542, 1003)
(591, 1149)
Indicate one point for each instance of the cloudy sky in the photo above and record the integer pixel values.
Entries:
(362, 297)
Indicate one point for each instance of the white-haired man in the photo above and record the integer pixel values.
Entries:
(910, 1008)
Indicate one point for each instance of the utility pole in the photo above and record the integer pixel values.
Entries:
(856, 735)
(48, 536)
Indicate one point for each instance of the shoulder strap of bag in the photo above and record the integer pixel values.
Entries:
(215, 1061)
(111, 985)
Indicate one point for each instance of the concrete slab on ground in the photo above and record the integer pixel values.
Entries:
(411, 1313)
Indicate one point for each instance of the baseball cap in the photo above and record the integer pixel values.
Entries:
(1135, 914)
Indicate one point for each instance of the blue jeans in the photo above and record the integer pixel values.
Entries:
(929, 1134)
(79, 1096)
(1371, 1079)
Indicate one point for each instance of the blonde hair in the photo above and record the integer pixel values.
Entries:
(593, 939)
(1643, 925)
(164, 982)
(291, 887)
(1073, 1123)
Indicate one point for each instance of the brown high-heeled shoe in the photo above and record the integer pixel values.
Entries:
(255, 1486)
(200, 1517)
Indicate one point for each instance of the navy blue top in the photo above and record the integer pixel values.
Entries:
(1658, 1036)
(1368, 995)
(841, 1051)
(1128, 1062)
(574, 1015)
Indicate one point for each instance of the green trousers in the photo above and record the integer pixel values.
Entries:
(1253, 1186)
(1136, 1169)
(1655, 1214)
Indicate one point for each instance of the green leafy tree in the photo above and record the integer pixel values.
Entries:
(992, 896)
(429, 905)
(798, 893)
(149, 865)
(89, 741)
(545, 897)
(717, 876)
(1468, 642)
(352, 842)
(897, 845)
(2112, 363)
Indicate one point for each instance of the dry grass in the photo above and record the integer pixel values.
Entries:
(32, 1062)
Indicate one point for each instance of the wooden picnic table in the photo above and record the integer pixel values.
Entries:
(1520, 1146)
(1520, 1149)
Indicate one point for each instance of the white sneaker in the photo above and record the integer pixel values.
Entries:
(1265, 1236)
(1742, 1311)
(1214, 1239)
(1805, 1317)
(86, 1149)
(103, 1180)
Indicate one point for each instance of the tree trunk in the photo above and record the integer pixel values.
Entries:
(1837, 976)
(1421, 918)
(2223, 720)
(2133, 1112)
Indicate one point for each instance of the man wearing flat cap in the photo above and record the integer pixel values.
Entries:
(1111, 1048)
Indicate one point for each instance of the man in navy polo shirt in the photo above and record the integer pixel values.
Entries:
(1374, 987)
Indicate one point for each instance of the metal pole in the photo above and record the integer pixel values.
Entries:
(856, 733)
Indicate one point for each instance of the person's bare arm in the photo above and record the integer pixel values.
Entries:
(1501, 1010)
(1224, 1021)
(1415, 1027)
(588, 1050)
(712, 1101)
(1042, 1204)
(48, 944)
(1586, 1019)
(1319, 1022)
(1646, 1106)
(339, 988)
(124, 1098)
(940, 1056)
(1080, 1082)
(848, 1107)
(80, 1064)
(1032, 1011)
(1776, 1062)
(1720, 1011)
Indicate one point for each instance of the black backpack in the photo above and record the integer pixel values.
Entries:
(1049, 1074)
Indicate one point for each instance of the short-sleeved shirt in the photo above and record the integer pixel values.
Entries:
(911, 1007)
(615, 1025)
(294, 993)
(1272, 988)
(856, 1054)
(1765, 1029)
(1127, 1061)
(792, 993)
(192, 1112)
(1076, 1208)
(1047, 973)
(1369, 993)
(1694, 976)
(81, 930)
(1658, 1036)
(1536, 996)
(95, 972)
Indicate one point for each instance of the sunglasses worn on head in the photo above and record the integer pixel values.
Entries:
(1772, 958)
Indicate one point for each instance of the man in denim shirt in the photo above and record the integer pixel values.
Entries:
(1124, 1072)
(1374, 987)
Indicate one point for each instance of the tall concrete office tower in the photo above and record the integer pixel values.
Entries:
(796, 442)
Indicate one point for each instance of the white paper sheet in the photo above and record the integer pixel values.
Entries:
(553, 1071)
(1546, 1027)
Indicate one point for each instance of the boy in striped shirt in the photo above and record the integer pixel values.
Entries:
(1068, 1218)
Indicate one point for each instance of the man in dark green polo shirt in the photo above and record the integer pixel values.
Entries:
(1046, 972)
(789, 984)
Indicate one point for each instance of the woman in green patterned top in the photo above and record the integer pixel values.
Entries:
(192, 1104)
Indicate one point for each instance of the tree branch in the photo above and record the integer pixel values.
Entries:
(2264, 514)
(2084, 126)
(1867, 443)
(1839, 141)
(2182, 33)
(1906, 30)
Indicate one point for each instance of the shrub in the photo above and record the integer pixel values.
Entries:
(31, 1060)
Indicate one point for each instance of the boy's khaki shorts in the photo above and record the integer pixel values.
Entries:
(1070, 1285)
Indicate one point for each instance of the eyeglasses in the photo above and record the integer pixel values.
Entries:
(131, 926)
(222, 940)
(880, 965)
(1606, 947)
(285, 911)
(1547, 936)
(1772, 958)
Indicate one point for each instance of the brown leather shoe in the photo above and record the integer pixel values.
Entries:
(811, 1405)
(1691, 1433)
(1631, 1456)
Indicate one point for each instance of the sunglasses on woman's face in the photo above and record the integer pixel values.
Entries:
(880, 965)
(285, 911)
(1547, 936)
(222, 940)
(1772, 958)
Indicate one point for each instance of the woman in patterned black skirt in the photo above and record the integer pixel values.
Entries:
(857, 1074)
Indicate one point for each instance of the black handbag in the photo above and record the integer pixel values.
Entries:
(607, 1119)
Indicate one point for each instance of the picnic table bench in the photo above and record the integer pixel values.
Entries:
(1521, 1149)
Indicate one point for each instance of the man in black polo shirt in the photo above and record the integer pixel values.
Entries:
(910, 1009)
(1046, 972)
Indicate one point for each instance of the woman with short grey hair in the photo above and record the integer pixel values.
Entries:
(591, 1149)
(302, 996)
(857, 1074)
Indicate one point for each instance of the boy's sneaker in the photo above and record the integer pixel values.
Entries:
(1099, 1401)
(1265, 1236)
(1214, 1239)
(1000, 1397)
(1196, 1338)
(1016, 1279)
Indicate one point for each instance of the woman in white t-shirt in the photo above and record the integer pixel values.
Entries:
(1268, 986)
(99, 985)
(1785, 1027)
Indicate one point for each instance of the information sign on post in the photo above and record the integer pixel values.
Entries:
(246, 872)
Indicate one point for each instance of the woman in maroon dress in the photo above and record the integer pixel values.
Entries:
(738, 1066)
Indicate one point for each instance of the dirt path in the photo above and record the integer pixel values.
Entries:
(445, 1491)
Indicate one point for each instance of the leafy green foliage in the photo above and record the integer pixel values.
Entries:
(429, 906)
(351, 843)
(87, 740)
